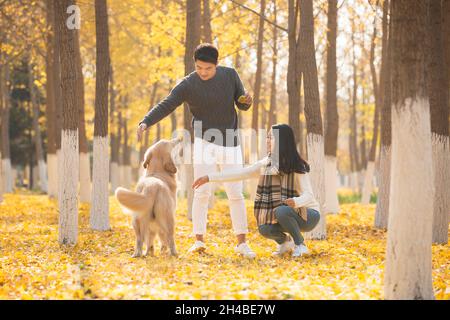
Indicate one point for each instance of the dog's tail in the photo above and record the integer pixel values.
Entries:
(133, 202)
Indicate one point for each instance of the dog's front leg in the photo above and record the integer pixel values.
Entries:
(173, 250)
(139, 242)
(150, 251)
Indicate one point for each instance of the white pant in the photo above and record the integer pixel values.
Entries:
(206, 157)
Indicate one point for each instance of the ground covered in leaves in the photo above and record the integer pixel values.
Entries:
(348, 265)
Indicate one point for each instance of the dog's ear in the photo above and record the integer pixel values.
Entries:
(169, 166)
(147, 158)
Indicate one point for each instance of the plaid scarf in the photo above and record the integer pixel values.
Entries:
(273, 189)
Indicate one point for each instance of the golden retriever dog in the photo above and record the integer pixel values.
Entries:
(153, 204)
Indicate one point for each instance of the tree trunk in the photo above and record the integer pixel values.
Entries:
(144, 146)
(382, 208)
(273, 86)
(370, 168)
(99, 218)
(37, 131)
(52, 165)
(114, 134)
(356, 167)
(69, 164)
(314, 139)
(362, 147)
(446, 31)
(206, 17)
(85, 166)
(294, 75)
(258, 81)
(126, 163)
(58, 94)
(1, 179)
(408, 261)
(438, 86)
(120, 148)
(6, 155)
(193, 31)
(1, 147)
(332, 117)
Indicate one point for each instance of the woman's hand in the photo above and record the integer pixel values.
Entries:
(290, 202)
(200, 181)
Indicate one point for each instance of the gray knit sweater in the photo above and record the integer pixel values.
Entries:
(211, 103)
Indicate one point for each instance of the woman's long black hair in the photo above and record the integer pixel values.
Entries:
(287, 159)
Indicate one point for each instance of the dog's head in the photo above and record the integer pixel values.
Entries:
(159, 157)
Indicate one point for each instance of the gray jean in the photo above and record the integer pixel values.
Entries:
(289, 221)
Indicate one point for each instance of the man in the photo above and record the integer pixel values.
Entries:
(211, 92)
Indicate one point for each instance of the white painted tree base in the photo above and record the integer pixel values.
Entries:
(122, 176)
(181, 178)
(441, 177)
(361, 175)
(125, 176)
(35, 184)
(331, 181)
(345, 182)
(115, 177)
(68, 188)
(353, 181)
(7, 175)
(252, 185)
(85, 178)
(1, 182)
(99, 217)
(368, 183)
(52, 162)
(43, 183)
(382, 208)
(128, 176)
(14, 176)
(316, 160)
(408, 254)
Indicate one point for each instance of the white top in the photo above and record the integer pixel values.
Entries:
(305, 199)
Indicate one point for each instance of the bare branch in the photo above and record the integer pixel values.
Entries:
(261, 16)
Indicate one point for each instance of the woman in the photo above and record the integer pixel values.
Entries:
(284, 204)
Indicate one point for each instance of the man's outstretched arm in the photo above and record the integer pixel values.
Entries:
(163, 108)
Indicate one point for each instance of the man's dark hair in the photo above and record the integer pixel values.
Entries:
(206, 52)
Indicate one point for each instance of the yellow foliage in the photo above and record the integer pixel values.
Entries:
(348, 265)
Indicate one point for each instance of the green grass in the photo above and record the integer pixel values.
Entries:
(355, 198)
(221, 194)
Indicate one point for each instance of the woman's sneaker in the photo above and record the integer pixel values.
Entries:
(300, 250)
(198, 246)
(286, 246)
(244, 250)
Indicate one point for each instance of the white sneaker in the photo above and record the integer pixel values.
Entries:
(198, 246)
(286, 246)
(300, 250)
(245, 250)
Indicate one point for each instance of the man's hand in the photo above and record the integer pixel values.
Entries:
(290, 202)
(246, 99)
(200, 181)
(142, 127)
